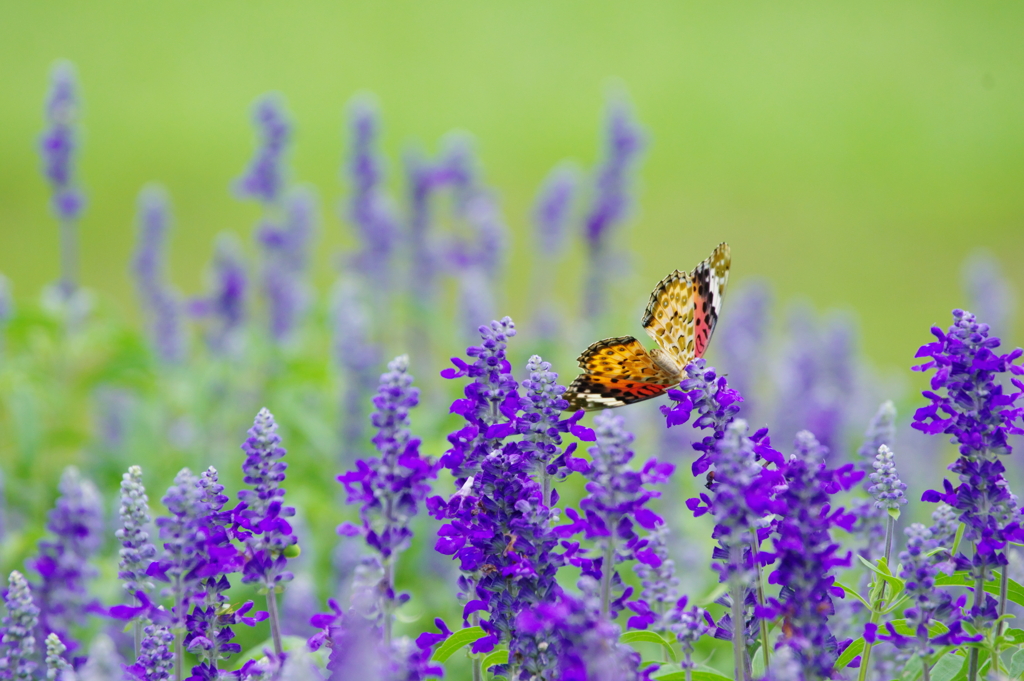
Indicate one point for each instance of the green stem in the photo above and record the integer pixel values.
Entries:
(478, 661)
(739, 652)
(877, 598)
(275, 622)
(606, 576)
(925, 670)
(68, 257)
(546, 486)
(979, 596)
(755, 547)
(179, 635)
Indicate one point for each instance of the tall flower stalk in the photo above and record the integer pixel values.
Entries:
(970, 405)
(136, 550)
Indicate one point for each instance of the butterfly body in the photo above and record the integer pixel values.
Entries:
(680, 318)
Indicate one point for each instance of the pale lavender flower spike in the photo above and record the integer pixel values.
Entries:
(224, 307)
(264, 179)
(56, 665)
(887, 488)
(137, 550)
(19, 643)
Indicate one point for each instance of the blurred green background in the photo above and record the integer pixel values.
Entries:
(851, 153)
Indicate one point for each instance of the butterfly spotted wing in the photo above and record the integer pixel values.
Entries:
(684, 308)
(617, 371)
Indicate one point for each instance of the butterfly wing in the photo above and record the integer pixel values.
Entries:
(684, 308)
(617, 371)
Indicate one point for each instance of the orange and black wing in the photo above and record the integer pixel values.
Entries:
(617, 371)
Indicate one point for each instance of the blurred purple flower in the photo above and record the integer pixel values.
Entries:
(357, 357)
(689, 625)
(988, 290)
(137, 551)
(224, 307)
(264, 179)
(18, 639)
(610, 201)
(56, 665)
(742, 341)
(76, 523)
(286, 255)
(161, 302)
(156, 661)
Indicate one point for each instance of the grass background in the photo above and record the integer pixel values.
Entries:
(851, 154)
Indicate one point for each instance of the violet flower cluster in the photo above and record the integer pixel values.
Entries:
(76, 524)
(969, 404)
(18, 642)
(161, 302)
(870, 523)
(806, 555)
(223, 308)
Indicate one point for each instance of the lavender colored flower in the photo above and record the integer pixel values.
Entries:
(56, 665)
(611, 202)
(657, 573)
(989, 291)
(224, 307)
(264, 179)
(945, 522)
(689, 625)
(572, 637)
(156, 661)
(357, 357)
(390, 488)
(103, 663)
(887, 488)
(286, 255)
(552, 209)
(742, 339)
(881, 431)
(616, 499)
(19, 643)
(919, 571)
(806, 554)
(541, 425)
(76, 523)
(369, 208)
(136, 550)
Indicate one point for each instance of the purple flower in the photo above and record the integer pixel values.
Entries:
(223, 309)
(56, 665)
(76, 523)
(177, 530)
(137, 551)
(161, 302)
(571, 637)
(969, 404)
(59, 142)
(369, 208)
(286, 254)
(390, 488)
(610, 202)
(887, 488)
(552, 209)
(806, 554)
(541, 425)
(18, 641)
(657, 574)
(615, 502)
(156, 661)
(871, 522)
(689, 625)
(264, 179)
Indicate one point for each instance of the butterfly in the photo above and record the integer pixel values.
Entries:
(680, 317)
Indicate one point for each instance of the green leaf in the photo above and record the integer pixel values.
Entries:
(696, 674)
(958, 537)
(852, 651)
(648, 637)
(1014, 636)
(894, 513)
(1014, 591)
(850, 591)
(499, 656)
(913, 669)
(459, 639)
(882, 570)
(1017, 664)
(757, 664)
(257, 651)
(947, 667)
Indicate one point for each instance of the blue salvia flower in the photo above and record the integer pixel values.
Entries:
(76, 523)
(161, 303)
(542, 425)
(945, 522)
(104, 663)
(264, 179)
(989, 291)
(742, 340)
(286, 255)
(224, 308)
(156, 661)
(887, 488)
(611, 200)
(136, 550)
(969, 404)
(56, 665)
(806, 554)
(477, 262)
(390, 488)
(491, 401)
(263, 516)
(657, 573)
(58, 146)
(689, 625)
(369, 207)
(19, 643)
(616, 500)
(871, 518)
(357, 357)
